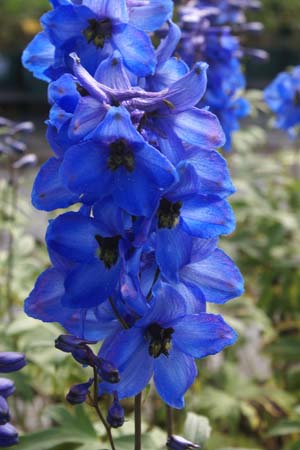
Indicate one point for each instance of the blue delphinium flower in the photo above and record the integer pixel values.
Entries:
(164, 344)
(135, 155)
(283, 98)
(94, 30)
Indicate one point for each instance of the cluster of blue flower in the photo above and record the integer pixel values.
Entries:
(136, 264)
(9, 362)
(208, 27)
(283, 98)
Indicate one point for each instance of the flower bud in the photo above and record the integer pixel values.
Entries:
(84, 356)
(4, 411)
(107, 371)
(7, 387)
(11, 361)
(78, 393)
(179, 443)
(68, 343)
(115, 415)
(8, 435)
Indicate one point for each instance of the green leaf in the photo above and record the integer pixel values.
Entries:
(197, 428)
(285, 427)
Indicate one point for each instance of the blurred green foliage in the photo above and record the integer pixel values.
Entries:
(19, 22)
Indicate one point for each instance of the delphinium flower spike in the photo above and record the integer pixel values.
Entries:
(135, 261)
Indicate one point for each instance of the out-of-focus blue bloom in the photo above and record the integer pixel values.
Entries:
(283, 98)
(11, 361)
(116, 415)
(206, 36)
(164, 344)
(8, 435)
(4, 411)
(179, 443)
(79, 392)
(7, 387)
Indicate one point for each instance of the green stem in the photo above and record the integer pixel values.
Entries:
(170, 418)
(99, 412)
(138, 421)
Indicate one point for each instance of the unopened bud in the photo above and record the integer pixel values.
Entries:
(7, 387)
(179, 443)
(11, 362)
(4, 411)
(8, 435)
(107, 371)
(78, 393)
(115, 415)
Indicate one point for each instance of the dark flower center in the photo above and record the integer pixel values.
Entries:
(121, 155)
(82, 91)
(98, 31)
(168, 213)
(160, 340)
(296, 99)
(108, 250)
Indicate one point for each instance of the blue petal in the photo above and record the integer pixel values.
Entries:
(212, 171)
(48, 192)
(136, 49)
(119, 347)
(111, 72)
(156, 166)
(168, 45)
(117, 125)
(113, 219)
(39, 55)
(63, 23)
(108, 8)
(84, 169)
(188, 90)
(136, 369)
(167, 74)
(87, 116)
(172, 251)
(199, 127)
(58, 117)
(173, 375)
(63, 92)
(89, 285)
(217, 277)
(194, 302)
(134, 192)
(44, 301)
(73, 236)
(202, 248)
(205, 217)
(151, 16)
(167, 305)
(200, 335)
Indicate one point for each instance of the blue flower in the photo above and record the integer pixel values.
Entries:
(283, 98)
(94, 30)
(118, 163)
(164, 344)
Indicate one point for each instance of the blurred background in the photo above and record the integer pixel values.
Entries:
(249, 396)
